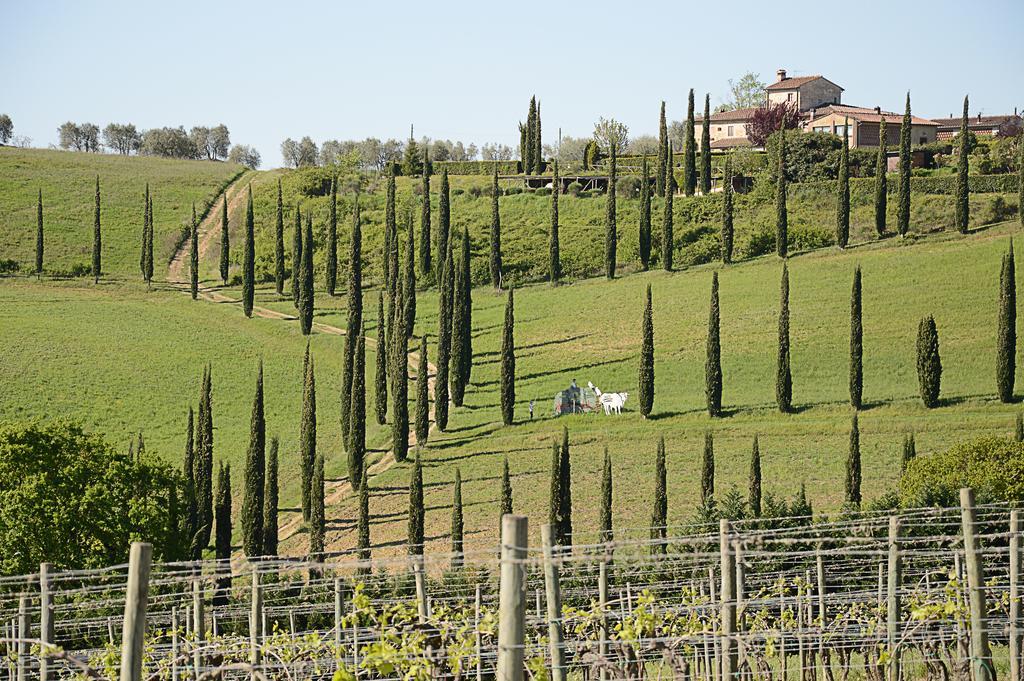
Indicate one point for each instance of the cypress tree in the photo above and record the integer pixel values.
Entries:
(1006, 333)
(1018, 428)
(856, 344)
(1020, 184)
(39, 231)
(529, 162)
(422, 396)
(646, 378)
(495, 232)
(443, 227)
(357, 416)
(659, 514)
(853, 472)
(843, 193)
(409, 280)
(255, 471)
(466, 356)
(204, 463)
(881, 181)
(399, 382)
(306, 280)
(707, 472)
(190, 523)
(538, 147)
(607, 533)
(909, 451)
(508, 362)
(331, 270)
(307, 433)
(145, 229)
(903, 210)
(554, 254)
(444, 341)
(193, 260)
(783, 370)
(610, 234)
(456, 377)
(297, 257)
(416, 510)
(555, 496)
(457, 520)
(689, 150)
(363, 521)
(963, 206)
(663, 154)
(279, 244)
(270, 496)
(644, 245)
(225, 241)
(727, 210)
(781, 217)
(506, 489)
(713, 363)
(929, 364)
(317, 512)
(354, 318)
(97, 238)
(705, 149)
(222, 513)
(565, 487)
(754, 480)
(667, 237)
(148, 274)
(249, 260)
(426, 243)
(425, 227)
(381, 367)
(390, 225)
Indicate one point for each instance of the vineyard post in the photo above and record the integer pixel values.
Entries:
(133, 632)
(255, 619)
(801, 655)
(820, 564)
(478, 638)
(110, 630)
(728, 612)
(1015, 596)
(553, 594)
(214, 622)
(198, 625)
(511, 601)
(961, 646)
(782, 634)
(741, 581)
(421, 588)
(893, 599)
(338, 610)
(602, 595)
(45, 620)
(292, 628)
(536, 599)
(22, 636)
(980, 652)
(174, 643)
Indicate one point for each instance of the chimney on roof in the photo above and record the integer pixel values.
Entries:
(780, 75)
(878, 110)
(979, 116)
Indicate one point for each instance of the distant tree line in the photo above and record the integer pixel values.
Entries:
(200, 142)
(372, 154)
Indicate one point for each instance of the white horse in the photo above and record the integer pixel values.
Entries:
(612, 402)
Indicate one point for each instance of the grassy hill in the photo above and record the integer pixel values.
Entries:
(67, 180)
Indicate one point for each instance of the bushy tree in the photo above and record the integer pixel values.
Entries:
(1006, 332)
(768, 120)
(270, 497)
(963, 205)
(659, 514)
(903, 209)
(307, 433)
(727, 210)
(881, 181)
(929, 364)
(249, 259)
(705, 149)
(495, 251)
(97, 238)
(644, 242)
(713, 361)
(416, 509)
(607, 533)
(754, 480)
(357, 416)
(783, 370)
(255, 471)
(646, 377)
(853, 472)
(508, 362)
(689, 150)
(422, 396)
(781, 217)
(554, 254)
(843, 192)
(610, 230)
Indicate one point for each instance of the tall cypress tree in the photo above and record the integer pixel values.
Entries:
(843, 192)
(781, 216)
(754, 480)
(193, 260)
(667, 235)
(390, 225)
(39, 231)
(707, 470)
(354, 321)
(416, 510)
(495, 232)
(331, 269)
(225, 241)
(929, 364)
(255, 471)
(270, 497)
(555, 495)
(705, 148)
(456, 377)
(727, 210)
(297, 256)
(963, 190)
(508, 362)
(422, 396)
(689, 150)
(1006, 333)
(381, 367)
(529, 162)
(565, 487)
(409, 280)
(646, 378)
(148, 274)
(903, 210)
(713, 363)
(399, 382)
(909, 451)
(506, 489)
(145, 229)
(610, 230)
(317, 512)
(425, 226)
(607, 533)
(306, 290)
(249, 260)
(881, 181)
(856, 343)
(644, 242)
(659, 514)
(426, 243)
(222, 519)
(444, 220)
(190, 523)
(466, 356)
(363, 521)
(279, 272)
(357, 416)
(307, 433)
(554, 252)
(97, 238)
(538, 147)
(663, 154)
(783, 371)
(204, 463)
(1018, 427)
(853, 471)
(458, 525)
(444, 340)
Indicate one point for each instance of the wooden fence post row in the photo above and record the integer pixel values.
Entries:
(512, 598)
(980, 652)
(133, 630)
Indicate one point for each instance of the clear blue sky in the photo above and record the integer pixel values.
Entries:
(466, 70)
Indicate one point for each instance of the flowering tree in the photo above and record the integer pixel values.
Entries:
(768, 119)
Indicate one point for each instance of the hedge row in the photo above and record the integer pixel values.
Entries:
(477, 167)
(946, 184)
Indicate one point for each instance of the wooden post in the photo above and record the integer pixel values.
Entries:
(602, 596)
(174, 643)
(198, 626)
(1015, 638)
(893, 606)
(553, 594)
(511, 605)
(980, 652)
(256, 631)
(338, 613)
(23, 635)
(421, 588)
(536, 600)
(110, 630)
(728, 609)
(820, 564)
(45, 620)
(477, 636)
(801, 653)
(782, 634)
(133, 632)
(291, 621)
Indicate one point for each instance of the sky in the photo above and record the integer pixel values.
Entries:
(466, 70)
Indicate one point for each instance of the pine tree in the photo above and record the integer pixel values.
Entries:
(903, 210)
(663, 154)
(667, 236)
(457, 521)
(422, 396)
(331, 268)
(646, 378)
(456, 377)
(306, 279)
(354, 320)
(555, 496)
(508, 362)
(39, 232)
(270, 497)
(689, 150)
(97, 238)
(881, 181)
(249, 260)
(317, 512)
(357, 416)
(193, 261)
(963, 190)
(783, 369)
(713, 363)
(416, 510)
(506, 489)
(554, 254)
(307, 433)
(425, 227)
(610, 230)
(222, 513)
(754, 481)
(659, 514)
(363, 521)
(297, 257)
(412, 159)
(781, 217)
(390, 225)
(279, 274)
(381, 367)
(727, 210)
(929, 364)
(399, 382)
(607, 533)
(444, 340)
(225, 241)
(495, 232)
(707, 472)
(644, 242)
(443, 228)
(1006, 333)
(843, 192)
(204, 463)
(409, 280)
(145, 229)
(856, 343)
(853, 472)
(705, 149)
(565, 487)
(255, 470)
(909, 452)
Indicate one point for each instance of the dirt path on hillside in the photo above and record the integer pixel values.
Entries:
(208, 231)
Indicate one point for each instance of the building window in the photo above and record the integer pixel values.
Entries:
(821, 128)
(728, 132)
(840, 130)
(789, 97)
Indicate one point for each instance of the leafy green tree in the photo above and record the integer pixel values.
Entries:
(270, 497)
(399, 381)
(754, 480)
(929, 364)
(331, 268)
(1006, 332)
(783, 371)
(689, 150)
(363, 521)
(193, 260)
(249, 259)
(963, 190)
(853, 472)
(781, 217)
(506, 489)
(610, 230)
(508, 362)
(881, 181)
(646, 378)
(422, 396)
(495, 251)
(145, 228)
(607, 533)
(458, 525)
(903, 209)
(204, 464)
(317, 512)
(705, 149)
(644, 242)
(297, 256)
(279, 272)
(727, 210)
(416, 509)
(255, 472)
(381, 367)
(409, 280)
(856, 343)
(306, 280)
(354, 321)
(412, 160)
(357, 416)
(565, 488)
(713, 363)
(707, 470)
(659, 515)
(667, 236)
(39, 230)
(444, 340)
(843, 192)
(225, 241)
(222, 513)
(554, 254)
(307, 433)
(97, 238)
(663, 154)
(148, 273)
(909, 452)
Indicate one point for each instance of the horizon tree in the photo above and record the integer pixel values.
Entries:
(508, 362)
(422, 396)
(97, 238)
(416, 510)
(903, 209)
(306, 279)
(853, 470)
(225, 242)
(659, 514)
(856, 343)
(929, 364)
(495, 252)
(783, 370)
(843, 191)
(249, 259)
(255, 472)
(663, 154)
(713, 362)
(39, 230)
(689, 150)
(357, 416)
(307, 433)
(331, 266)
(754, 480)
(1006, 331)
(705, 148)
(781, 216)
(646, 378)
(644, 241)
(270, 499)
(610, 235)
(193, 260)
(727, 213)
(667, 236)
(554, 255)
(881, 181)
(444, 341)
(607, 533)
(962, 214)
(279, 275)
(458, 525)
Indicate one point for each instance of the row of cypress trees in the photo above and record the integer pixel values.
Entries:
(530, 148)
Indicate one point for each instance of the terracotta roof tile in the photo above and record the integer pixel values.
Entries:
(791, 83)
(734, 115)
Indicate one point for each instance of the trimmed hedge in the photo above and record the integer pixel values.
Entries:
(945, 184)
(477, 167)
(993, 467)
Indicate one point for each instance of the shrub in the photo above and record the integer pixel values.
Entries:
(477, 192)
(543, 191)
(314, 181)
(79, 269)
(574, 189)
(9, 266)
(993, 467)
(627, 187)
(458, 191)
(805, 238)
(760, 242)
(705, 249)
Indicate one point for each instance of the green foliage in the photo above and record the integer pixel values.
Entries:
(249, 259)
(663, 154)
(963, 207)
(992, 467)
(279, 269)
(853, 472)
(713, 361)
(644, 240)
(381, 367)
(222, 513)
(317, 512)
(462, 308)
(843, 193)
(398, 362)
(495, 242)
(97, 237)
(705, 148)
(354, 324)
(357, 415)
(422, 396)
(909, 452)
(565, 488)
(255, 472)
(363, 520)
(306, 279)
(225, 242)
(856, 343)
(646, 372)
(506, 490)
(508, 362)
(707, 470)
(881, 184)
(444, 339)
(416, 509)
(409, 280)
(903, 188)
(610, 228)
(458, 523)
(1006, 331)
(193, 270)
(667, 236)
(929, 364)
(607, 533)
(203, 464)
(783, 370)
(781, 217)
(307, 434)
(754, 480)
(727, 209)
(331, 270)
(554, 254)
(270, 500)
(689, 150)
(297, 257)
(659, 514)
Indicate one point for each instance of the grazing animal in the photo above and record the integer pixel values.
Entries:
(612, 402)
